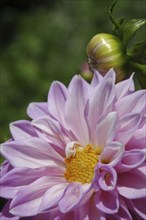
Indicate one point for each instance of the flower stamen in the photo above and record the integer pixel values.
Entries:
(80, 167)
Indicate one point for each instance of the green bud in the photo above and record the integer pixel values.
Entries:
(105, 51)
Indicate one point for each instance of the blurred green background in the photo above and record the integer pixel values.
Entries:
(42, 41)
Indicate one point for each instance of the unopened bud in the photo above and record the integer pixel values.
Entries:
(105, 51)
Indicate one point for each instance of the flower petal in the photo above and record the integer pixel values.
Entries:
(101, 101)
(131, 184)
(105, 130)
(128, 125)
(112, 153)
(140, 207)
(106, 177)
(133, 103)
(37, 109)
(52, 197)
(74, 111)
(97, 78)
(125, 87)
(22, 129)
(14, 180)
(71, 198)
(5, 215)
(131, 159)
(31, 152)
(71, 147)
(28, 199)
(56, 101)
(138, 140)
(107, 201)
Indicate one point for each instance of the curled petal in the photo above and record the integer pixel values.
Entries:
(112, 153)
(71, 148)
(106, 177)
(107, 202)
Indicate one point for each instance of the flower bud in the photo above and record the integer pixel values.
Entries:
(105, 51)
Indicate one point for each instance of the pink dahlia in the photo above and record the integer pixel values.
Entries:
(81, 157)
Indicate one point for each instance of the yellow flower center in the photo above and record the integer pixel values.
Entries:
(80, 167)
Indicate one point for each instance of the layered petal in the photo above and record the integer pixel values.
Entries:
(22, 129)
(107, 201)
(71, 197)
(112, 153)
(37, 109)
(106, 177)
(14, 180)
(105, 130)
(133, 103)
(56, 101)
(127, 127)
(31, 152)
(74, 111)
(131, 185)
(101, 101)
(28, 199)
(125, 87)
(139, 207)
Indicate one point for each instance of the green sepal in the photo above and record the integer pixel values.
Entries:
(138, 52)
(129, 29)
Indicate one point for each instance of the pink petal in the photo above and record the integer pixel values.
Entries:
(131, 159)
(37, 109)
(101, 101)
(106, 177)
(71, 198)
(123, 212)
(139, 206)
(97, 78)
(133, 103)
(28, 200)
(125, 87)
(138, 140)
(56, 101)
(50, 131)
(107, 201)
(31, 152)
(128, 125)
(14, 180)
(105, 130)
(131, 184)
(74, 111)
(22, 129)
(52, 197)
(5, 215)
(112, 153)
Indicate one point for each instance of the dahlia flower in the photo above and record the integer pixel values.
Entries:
(81, 156)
